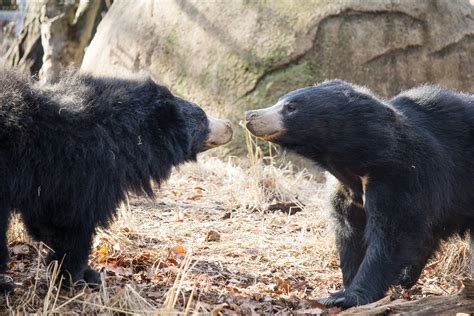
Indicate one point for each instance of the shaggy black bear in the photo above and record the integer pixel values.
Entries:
(70, 152)
(404, 170)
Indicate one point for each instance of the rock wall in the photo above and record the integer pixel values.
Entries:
(230, 56)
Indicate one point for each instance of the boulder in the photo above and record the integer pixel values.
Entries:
(230, 56)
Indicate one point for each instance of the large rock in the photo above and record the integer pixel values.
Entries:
(233, 55)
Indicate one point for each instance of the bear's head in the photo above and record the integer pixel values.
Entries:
(205, 131)
(189, 125)
(332, 118)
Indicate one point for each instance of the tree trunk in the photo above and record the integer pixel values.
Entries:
(26, 51)
(55, 35)
(65, 33)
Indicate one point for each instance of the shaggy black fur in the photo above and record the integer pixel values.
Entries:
(70, 152)
(405, 176)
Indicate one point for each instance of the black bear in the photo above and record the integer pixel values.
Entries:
(404, 170)
(70, 152)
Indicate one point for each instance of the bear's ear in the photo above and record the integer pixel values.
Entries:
(160, 92)
(167, 114)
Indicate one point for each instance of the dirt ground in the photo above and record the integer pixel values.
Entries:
(223, 236)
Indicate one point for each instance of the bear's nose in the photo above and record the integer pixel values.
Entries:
(249, 115)
(228, 124)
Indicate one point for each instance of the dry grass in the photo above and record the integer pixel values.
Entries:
(210, 244)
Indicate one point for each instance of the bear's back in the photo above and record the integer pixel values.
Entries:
(433, 100)
(14, 88)
(444, 113)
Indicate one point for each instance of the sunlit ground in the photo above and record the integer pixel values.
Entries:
(247, 236)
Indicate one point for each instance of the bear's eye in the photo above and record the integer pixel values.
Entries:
(290, 107)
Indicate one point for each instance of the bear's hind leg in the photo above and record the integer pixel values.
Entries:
(5, 285)
(71, 247)
(393, 243)
(350, 221)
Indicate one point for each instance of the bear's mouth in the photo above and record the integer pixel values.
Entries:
(262, 131)
(220, 133)
(271, 137)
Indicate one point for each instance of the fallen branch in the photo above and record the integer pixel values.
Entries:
(462, 302)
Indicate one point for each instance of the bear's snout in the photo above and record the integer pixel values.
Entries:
(220, 132)
(265, 123)
(249, 115)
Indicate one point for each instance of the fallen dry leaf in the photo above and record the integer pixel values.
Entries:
(171, 262)
(199, 190)
(216, 310)
(282, 286)
(145, 256)
(176, 193)
(178, 250)
(17, 266)
(182, 216)
(195, 197)
(103, 254)
(120, 271)
(300, 285)
(314, 304)
(212, 235)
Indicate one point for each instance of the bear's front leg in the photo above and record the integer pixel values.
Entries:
(411, 274)
(350, 221)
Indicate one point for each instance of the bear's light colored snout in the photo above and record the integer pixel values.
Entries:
(265, 123)
(220, 132)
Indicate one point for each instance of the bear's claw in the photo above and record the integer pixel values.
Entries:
(91, 277)
(334, 300)
(344, 299)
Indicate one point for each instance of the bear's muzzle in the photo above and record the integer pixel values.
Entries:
(220, 132)
(265, 123)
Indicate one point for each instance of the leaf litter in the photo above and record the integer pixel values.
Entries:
(206, 246)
